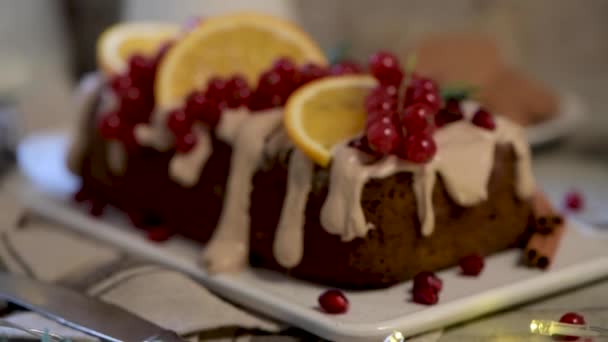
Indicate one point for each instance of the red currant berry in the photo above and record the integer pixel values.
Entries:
(385, 68)
(111, 126)
(471, 265)
(217, 90)
(425, 295)
(484, 119)
(418, 118)
(574, 201)
(159, 234)
(419, 148)
(383, 137)
(424, 83)
(200, 107)
(272, 88)
(428, 279)
(287, 69)
(451, 113)
(238, 91)
(310, 72)
(141, 70)
(333, 302)
(179, 122)
(118, 83)
(134, 104)
(260, 101)
(420, 95)
(345, 68)
(185, 142)
(571, 318)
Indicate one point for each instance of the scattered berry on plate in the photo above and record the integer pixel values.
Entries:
(471, 265)
(333, 302)
(428, 279)
(425, 295)
(574, 201)
(571, 318)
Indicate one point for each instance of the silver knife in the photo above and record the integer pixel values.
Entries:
(86, 314)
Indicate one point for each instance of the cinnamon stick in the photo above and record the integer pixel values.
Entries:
(545, 217)
(543, 244)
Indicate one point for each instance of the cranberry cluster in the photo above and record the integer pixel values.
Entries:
(403, 122)
(273, 88)
(426, 288)
(135, 97)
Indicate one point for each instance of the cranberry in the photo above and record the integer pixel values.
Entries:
(451, 113)
(574, 201)
(572, 318)
(111, 125)
(418, 118)
(272, 88)
(381, 93)
(178, 122)
(345, 67)
(384, 117)
(484, 119)
(428, 279)
(134, 103)
(385, 68)
(121, 82)
(260, 100)
(383, 137)
(216, 90)
(424, 83)
(419, 148)
(159, 234)
(185, 142)
(471, 265)
(421, 95)
(425, 295)
(333, 302)
(141, 70)
(238, 91)
(97, 207)
(381, 103)
(310, 72)
(287, 69)
(200, 106)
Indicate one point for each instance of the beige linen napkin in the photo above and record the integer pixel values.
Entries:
(44, 250)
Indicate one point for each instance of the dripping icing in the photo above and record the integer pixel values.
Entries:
(228, 249)
(186, 168)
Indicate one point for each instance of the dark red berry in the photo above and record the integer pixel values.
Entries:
(200, 107)
(571, 318)
(97, 207)
(384, 117)
(345, 68)
(484, 119)
(418, 118)
(121, 82)
(111, 125)
(333, 302)
(178, 122)
(272, 88)
(471, 265)
(383, 137)
(287, 69)
(135, 106)
(574, 201)
(421, 95)
(424, 83)
(141, 70)
(381, 103)
(450, 113)
(260, 101)
(185, 142)
(216, 90)
(310, 72)
(386, 68)
(159, 234)
(238, 91)
(425, 295)
(419, 148)
(428, 279)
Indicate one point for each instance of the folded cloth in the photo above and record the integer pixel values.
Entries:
(44, 250)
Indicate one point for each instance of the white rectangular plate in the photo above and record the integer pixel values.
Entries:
(373, 314)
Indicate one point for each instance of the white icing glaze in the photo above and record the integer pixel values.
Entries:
(185, 168)
(116, 157)
(464, 159)
(288, 244)
(229, 247)
(149, 136)
(230, 123)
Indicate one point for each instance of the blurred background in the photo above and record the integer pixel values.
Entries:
(45, 46)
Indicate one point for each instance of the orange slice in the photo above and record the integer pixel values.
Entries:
(243, 43)
(326, 112)
(119, 42)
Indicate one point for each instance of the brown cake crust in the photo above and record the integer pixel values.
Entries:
(394, 251)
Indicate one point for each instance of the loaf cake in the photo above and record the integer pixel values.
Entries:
(236, 178)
